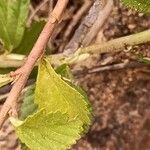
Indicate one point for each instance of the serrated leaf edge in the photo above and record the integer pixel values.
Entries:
(16, 123)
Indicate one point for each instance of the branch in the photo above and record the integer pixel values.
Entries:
(118, 44)
(35, 54)
(103, 15)
(86, 23)
(124, 65)
(115, 45)
(33, 14)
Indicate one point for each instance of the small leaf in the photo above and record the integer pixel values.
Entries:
(64, 71)
(140, 5)
(13, 14)
(54, 94)
(53, 131)
(30, 36)
(5, 79)
(24, 147)
(28, 107)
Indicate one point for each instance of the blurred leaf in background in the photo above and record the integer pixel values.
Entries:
(13, 15)
(30, 36)
(28, 107)
(139, 5)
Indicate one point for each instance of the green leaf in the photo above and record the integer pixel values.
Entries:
(53, 131)
(64, 71)
(54, 94)
(5, 79)
(6, 70)
(67, 76)
(23, 146)
(30, 36)
(140, 5)
(28, 107)
(13, 14)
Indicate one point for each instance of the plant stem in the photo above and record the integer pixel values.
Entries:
(118, 44)
(35, 54)
(115, 45)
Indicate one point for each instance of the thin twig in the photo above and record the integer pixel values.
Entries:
(124, 65)
(85, 25)
(51, 4)
(130, 64)
(76, 18)
(35, 11)
(101, 19)
(34, 55)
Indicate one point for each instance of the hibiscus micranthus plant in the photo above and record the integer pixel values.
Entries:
(58, 112)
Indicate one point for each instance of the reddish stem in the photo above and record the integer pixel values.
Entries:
(35, 54)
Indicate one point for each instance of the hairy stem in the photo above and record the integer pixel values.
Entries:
(35, 54)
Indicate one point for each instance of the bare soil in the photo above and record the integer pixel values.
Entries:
(120, 98)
